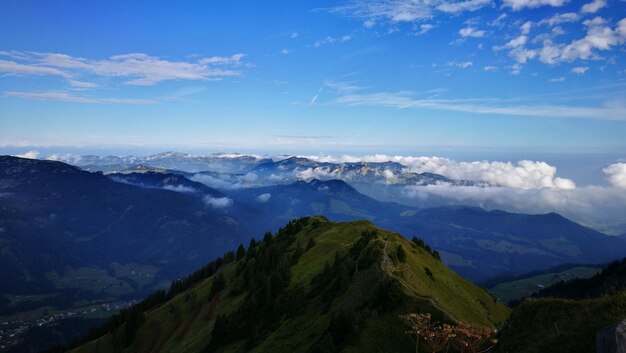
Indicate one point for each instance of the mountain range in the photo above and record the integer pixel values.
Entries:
(478, 244)
(73, 240)
(377, 179)
(60, 223)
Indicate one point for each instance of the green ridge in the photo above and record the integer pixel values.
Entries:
(559, 325)
(315, 286)
(567, 315)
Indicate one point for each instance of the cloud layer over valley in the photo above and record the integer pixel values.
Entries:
(518, 186)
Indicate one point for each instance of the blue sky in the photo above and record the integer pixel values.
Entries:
(523, 77)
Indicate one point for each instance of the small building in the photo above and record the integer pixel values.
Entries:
(612, 339)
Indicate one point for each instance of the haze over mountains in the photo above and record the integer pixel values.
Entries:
(258, 192)
(525, 186)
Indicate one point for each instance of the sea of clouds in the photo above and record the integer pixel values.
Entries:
(523, 186)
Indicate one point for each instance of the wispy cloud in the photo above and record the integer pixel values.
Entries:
(593, 6)
(517, 5)
(330, 40)
(398, 11)
(342, 87)
(82, 84)
(560, 18)
(462, 65)
(23, 69)
(69, 97)
(424, 28)
(579, 70)
(405, 100)
(137, 69)
(471, 32)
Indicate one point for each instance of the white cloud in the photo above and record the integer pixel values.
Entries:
(294, 35)
(180, 188)
(516, 69)
(218, 202)
(525, 28)
(285, 51)
(228, 181)
(593, 6)
(462, 65)
(234, 59)
(316, 173)
(324, 41)
(471, 32)
(596, 206)
(29, 155)
(214, 182)
(517, 5)
(137, 69)
(557, 79)
(82, 84)
(499, 21)
(561, 18)
(616, 174)
(148, 70)
(579, 70)
(398, 11)
(16, 68)
(68, 97)
(264, 197)
(390, 177)
(522, 55)
(490, 68)
(517, 41)
(621, 27)
(330, 40)
(462, 6)
(248, 178)
(343, 87)
(523, 174)
(518, 51)
(598, 37)
(425, 27)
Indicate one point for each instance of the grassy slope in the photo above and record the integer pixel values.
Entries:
(185, 323)
(518, 289)
(560, 325)
(558, 322)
